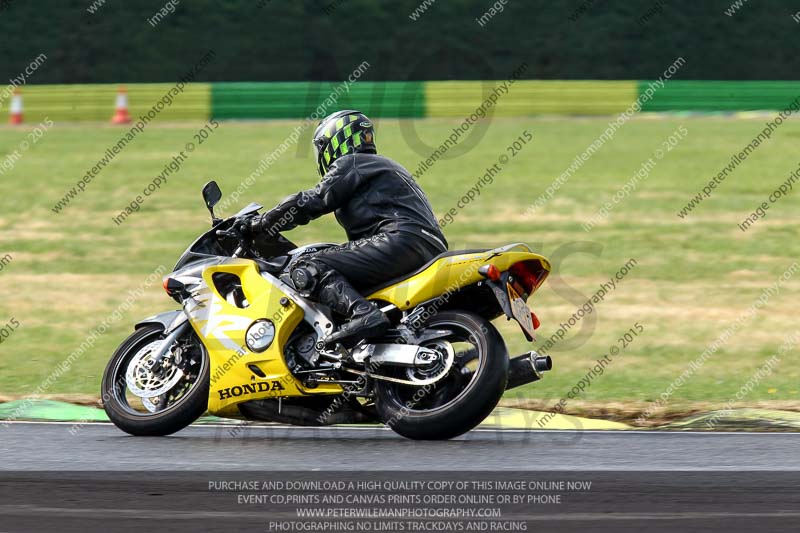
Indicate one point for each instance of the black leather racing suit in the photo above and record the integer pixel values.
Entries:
(388, 220)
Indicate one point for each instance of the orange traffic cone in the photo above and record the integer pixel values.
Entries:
(121, 116)
(16, 108)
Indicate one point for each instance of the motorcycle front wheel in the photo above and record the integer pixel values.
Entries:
(462, 398)
(146, 396)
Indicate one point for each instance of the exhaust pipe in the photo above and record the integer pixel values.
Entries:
(527, 368)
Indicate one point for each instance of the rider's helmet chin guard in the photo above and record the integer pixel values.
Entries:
(342, 133)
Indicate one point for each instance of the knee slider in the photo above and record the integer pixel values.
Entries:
(304, 278)
(307, 275)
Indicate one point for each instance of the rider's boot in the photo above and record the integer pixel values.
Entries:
(365, 320)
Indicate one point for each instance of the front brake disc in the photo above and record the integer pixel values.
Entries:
(146, 381)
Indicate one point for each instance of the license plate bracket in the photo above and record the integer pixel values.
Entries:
(521, 312)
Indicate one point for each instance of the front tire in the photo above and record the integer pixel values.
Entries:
(439, 413)
(188, 407)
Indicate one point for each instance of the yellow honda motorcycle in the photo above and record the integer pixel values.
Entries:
(246, 344)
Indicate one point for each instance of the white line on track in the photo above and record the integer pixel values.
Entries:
(386, 429)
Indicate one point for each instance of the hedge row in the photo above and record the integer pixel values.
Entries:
(404, 40)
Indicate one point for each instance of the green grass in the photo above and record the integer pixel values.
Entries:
(694, 276)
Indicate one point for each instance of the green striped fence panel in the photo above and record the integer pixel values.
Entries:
(680, 95)
(302, 99)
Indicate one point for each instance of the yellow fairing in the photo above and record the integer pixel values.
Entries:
(222, 327)
(450, 273)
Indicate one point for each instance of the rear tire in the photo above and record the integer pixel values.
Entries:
(466, 411)
(175, 417)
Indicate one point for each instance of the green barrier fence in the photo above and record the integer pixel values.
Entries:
(722, 95)
(297, 100)
(302, 99)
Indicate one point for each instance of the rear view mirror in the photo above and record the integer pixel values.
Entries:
(212, 195)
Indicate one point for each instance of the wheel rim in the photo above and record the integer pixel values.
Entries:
(468, 359)
(144, 389)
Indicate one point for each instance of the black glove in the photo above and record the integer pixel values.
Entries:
(258, 224)
(250, 227)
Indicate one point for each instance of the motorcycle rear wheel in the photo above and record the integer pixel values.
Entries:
(460, 400)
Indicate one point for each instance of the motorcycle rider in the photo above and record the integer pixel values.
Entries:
(390, 225)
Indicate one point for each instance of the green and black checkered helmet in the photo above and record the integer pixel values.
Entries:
(343, 132)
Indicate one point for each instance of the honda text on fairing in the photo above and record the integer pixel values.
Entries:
(246, 343)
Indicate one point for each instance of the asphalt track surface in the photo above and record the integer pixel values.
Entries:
(97, 446)
(61, 477)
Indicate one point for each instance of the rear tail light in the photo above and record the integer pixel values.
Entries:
(528, 274)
